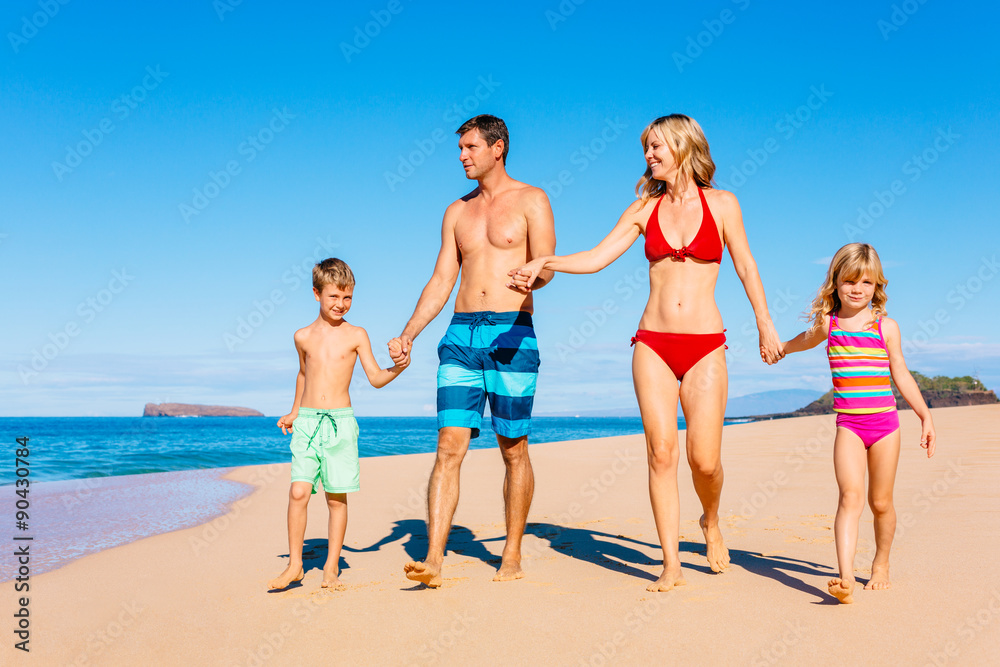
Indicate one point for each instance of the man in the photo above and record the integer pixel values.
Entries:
(489, 351)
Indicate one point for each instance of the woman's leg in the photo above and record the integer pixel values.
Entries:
(656, 390)
(703, 395)
(882, 459)
(849, 466)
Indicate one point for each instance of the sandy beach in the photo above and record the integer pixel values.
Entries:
(198, 595)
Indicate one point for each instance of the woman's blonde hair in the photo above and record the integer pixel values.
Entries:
(850, 263)
(689, 147)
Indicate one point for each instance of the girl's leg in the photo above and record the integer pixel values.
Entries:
(849, 466)
(298, 503)
(337, 502)
(656, 390)
(703, 395)
(882, 459)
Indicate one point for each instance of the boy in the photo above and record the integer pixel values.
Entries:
(324, 431)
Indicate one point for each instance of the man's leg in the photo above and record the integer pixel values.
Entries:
(442, 499)
(518, 489)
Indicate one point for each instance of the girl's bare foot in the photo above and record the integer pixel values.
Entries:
(291, 574)
(880, 578)
(671, 577)
(842, 590)
(715, 547)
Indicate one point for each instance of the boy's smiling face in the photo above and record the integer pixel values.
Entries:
(334, 302)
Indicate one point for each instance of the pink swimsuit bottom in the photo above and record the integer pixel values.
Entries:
(871, 427)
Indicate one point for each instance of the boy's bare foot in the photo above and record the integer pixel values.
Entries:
(509, 571)
(880, 578)
(715, 547)
(286, 578)
(331, 578)
(426, 574)
(670, 578)
(842, 590)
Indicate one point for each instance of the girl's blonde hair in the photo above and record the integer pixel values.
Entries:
(850, 263)
(689, 147)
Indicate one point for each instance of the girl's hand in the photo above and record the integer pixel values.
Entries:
(522, 278)
(927, 436)
(771, 349)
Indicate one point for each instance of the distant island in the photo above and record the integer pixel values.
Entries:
(938, 391)
(190, 410)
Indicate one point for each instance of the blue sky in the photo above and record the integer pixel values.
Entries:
(169, 169)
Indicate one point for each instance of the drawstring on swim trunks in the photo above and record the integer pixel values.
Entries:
(481, 318)
(319, 423)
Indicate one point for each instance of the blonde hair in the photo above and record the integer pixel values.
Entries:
(850, 263)
(332, 271)
(689, 147)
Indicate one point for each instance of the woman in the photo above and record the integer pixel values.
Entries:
(680, 344)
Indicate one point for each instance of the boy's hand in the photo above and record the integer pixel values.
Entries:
(927, 436)
(285, 423)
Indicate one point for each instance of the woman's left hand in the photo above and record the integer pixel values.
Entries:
(770, 344)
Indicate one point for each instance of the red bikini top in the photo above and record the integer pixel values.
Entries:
(706, 245)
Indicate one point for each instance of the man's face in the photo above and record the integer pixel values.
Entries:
(477, 158)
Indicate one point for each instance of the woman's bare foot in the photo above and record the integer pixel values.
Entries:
(880, 578)
(331, 578)
(426, 573)
(842, 590)
(715, 547)
(286, 578)
(509, 571)
(672, 576)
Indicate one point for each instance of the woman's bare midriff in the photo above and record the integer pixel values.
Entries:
(682, 297)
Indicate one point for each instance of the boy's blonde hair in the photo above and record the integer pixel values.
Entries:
(850, 263)
(332, 271)
(689, 147)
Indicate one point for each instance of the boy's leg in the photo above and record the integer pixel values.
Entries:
(337, 502)
(849, 466)
(442, 499)
(298, 503)
(883, 457)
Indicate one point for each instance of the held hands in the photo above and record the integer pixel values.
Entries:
(522, 278)
(285, 423)
(399, 351)
(928, 438)
(771, 348)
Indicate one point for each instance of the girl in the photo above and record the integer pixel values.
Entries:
(863, 346)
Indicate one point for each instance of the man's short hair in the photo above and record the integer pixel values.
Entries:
(491, 128)
(332, 271)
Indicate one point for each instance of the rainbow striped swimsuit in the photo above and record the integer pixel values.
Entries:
(859, 362)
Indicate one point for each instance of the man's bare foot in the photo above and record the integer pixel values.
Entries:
(509, 571)
(426, 574)
(670, 578)
(715, 547)
(286, 578)
(880, 578)
(331, 578)
(842, 590)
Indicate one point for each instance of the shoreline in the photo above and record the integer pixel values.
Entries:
(590, 547)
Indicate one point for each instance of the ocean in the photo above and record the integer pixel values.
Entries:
(99, 482)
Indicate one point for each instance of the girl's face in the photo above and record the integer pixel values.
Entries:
(856, 293)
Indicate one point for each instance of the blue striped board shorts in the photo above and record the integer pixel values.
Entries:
(488, 355)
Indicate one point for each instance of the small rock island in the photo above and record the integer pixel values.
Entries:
(192, 410)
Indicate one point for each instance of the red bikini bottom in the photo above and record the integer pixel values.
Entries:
(680, 351)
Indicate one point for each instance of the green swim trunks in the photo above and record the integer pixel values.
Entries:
(325, 448)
